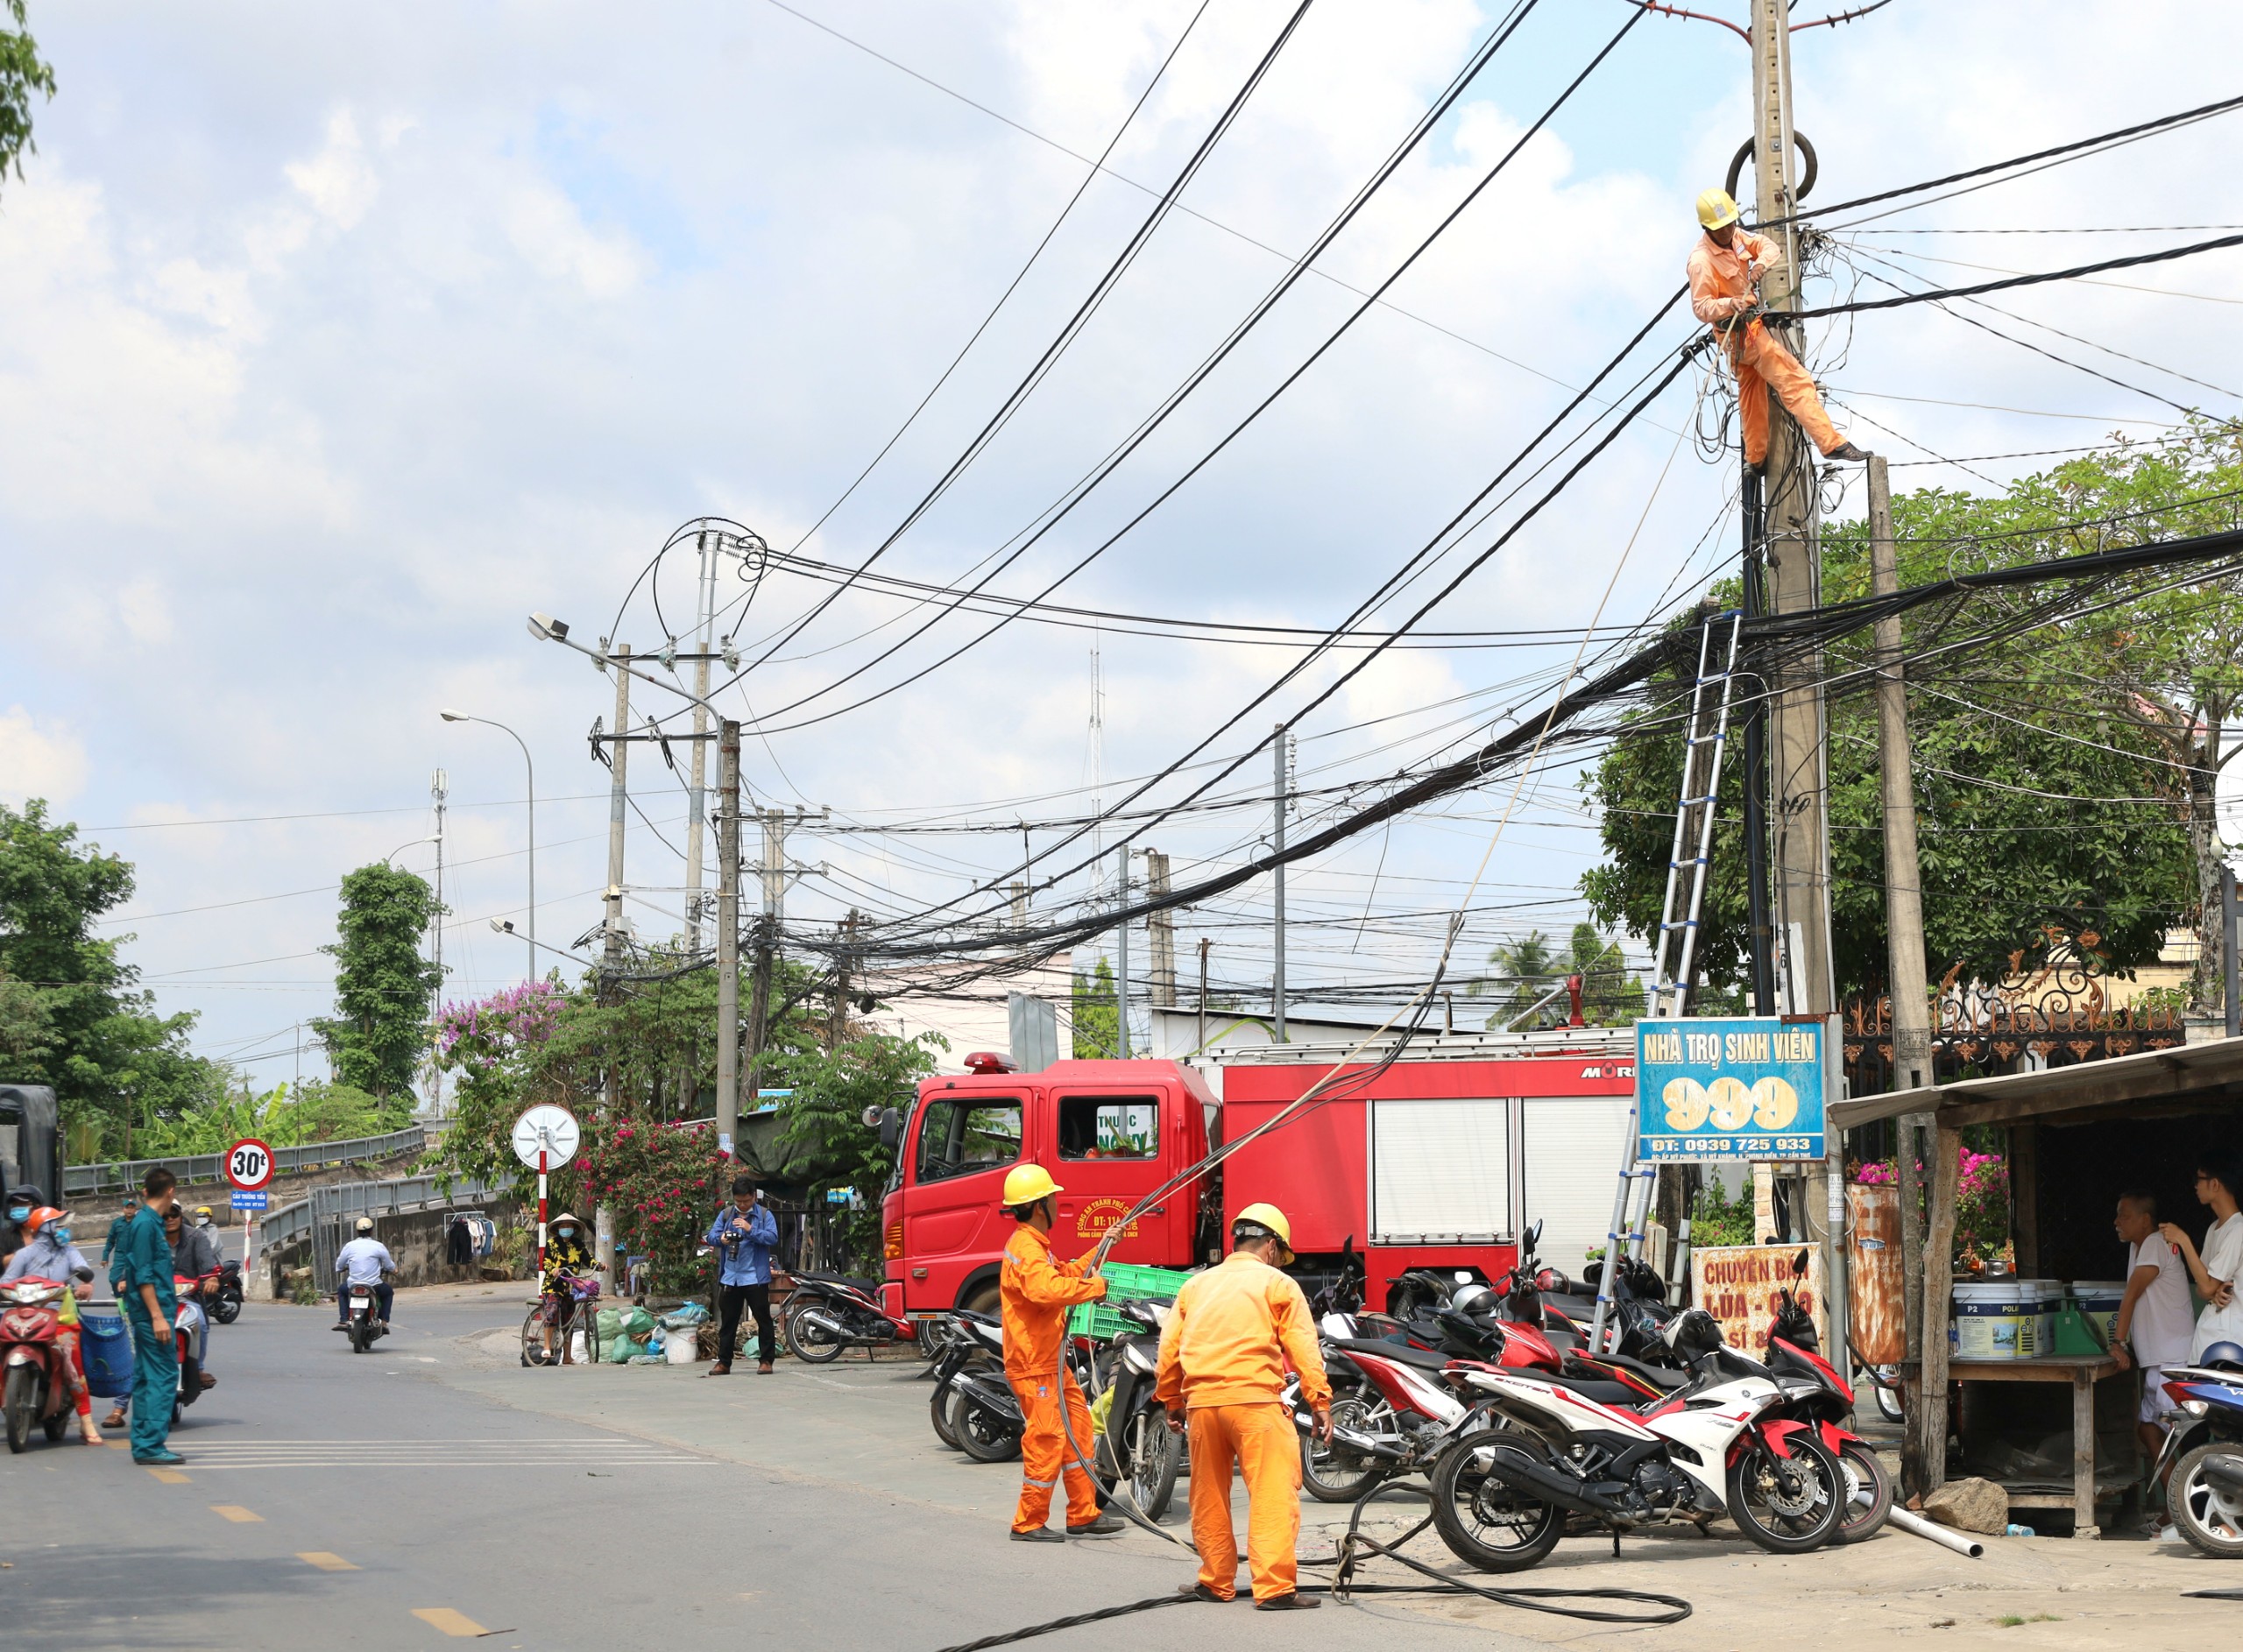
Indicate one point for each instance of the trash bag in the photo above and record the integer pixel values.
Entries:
(610, 1324)
(686, 1317)
(618, 1352)
(639, 1324)
(1101, 1409)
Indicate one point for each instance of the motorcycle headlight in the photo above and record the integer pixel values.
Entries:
(2195, 1408)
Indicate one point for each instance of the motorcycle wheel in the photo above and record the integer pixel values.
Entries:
(1484, 1522)
(361, 1338)
(226, 1307)
(56, 1426)
(1869, 1493)
(982, 1435)
(1888, 1397)
(2210, 1517)
(808, 1343)
(1787, 1506)
(21, 1399)
(1156, 1454)
(938, 1407)
(1334, 1473)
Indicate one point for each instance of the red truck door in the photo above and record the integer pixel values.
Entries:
(965, 1143)
(1114, 1145)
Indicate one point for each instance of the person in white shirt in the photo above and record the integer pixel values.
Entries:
(365, 1260)
(2219, 1267)
(2155, 1318)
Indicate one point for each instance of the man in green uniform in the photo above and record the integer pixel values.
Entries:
(150, 1309)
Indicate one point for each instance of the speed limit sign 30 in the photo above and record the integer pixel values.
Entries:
(249, 1164)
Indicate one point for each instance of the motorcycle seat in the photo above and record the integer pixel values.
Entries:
(870, 1287)
(1401, 1353)
(976, 1316)
(1614, 1393)
(1665, 1381)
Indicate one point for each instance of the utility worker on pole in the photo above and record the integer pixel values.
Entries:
(1035, 1293)
(1725, 269)
(1223, 1355)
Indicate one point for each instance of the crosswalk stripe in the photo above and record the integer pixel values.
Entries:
(237, 1513)
(325, 1561)
(167, 1476)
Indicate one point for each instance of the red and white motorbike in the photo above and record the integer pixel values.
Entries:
(1503, 1495)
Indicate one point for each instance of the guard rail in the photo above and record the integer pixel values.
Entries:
(211, 1167)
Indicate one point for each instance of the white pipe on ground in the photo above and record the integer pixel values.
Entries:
(1961, 1542)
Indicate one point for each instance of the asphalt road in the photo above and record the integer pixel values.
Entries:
(426, 1492)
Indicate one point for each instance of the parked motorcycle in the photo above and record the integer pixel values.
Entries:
(1502, 1494)
(1137, 1445)
(2202, 1460)
(36, 1389)
(974, 1407)
(225, 1305)
(1819, 1396)
(828, 1313)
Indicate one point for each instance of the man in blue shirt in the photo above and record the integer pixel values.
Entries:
(744, 1234)
(149, 1308)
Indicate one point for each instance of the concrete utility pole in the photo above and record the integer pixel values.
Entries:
(1281, 749)
(610, 964)
(1800, 800)
(728, 937)
(697, 797)
(1205, 943)
(1904, 939)
(1121, 952)
(1160, 934)
(847, 948)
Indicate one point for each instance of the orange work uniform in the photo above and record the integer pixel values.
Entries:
(1223, 1355)
(1036, 1293)
(1721, 286)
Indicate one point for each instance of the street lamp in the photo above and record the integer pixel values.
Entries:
(451, 715)
(401, 848)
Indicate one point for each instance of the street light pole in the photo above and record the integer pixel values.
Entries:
(530, 769)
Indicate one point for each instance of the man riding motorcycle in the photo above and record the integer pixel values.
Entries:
(194, 1256)
(366, 1261)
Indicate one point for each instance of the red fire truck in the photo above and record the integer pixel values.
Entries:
(1437, 1160)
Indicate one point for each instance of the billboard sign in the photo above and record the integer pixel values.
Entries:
(1742, 1087)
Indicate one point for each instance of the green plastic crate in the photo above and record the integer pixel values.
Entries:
(1125, 1282)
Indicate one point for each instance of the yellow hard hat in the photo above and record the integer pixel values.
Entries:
(1715, 208)
(1267, 1216)
(1025, 1183)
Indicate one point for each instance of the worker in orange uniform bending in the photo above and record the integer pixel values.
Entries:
(1725, 269)
(1223, 1355)
(1036, 1293)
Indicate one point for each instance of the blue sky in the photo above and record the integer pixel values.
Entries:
(329, 349)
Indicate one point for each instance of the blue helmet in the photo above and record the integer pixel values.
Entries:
(2223, 1354)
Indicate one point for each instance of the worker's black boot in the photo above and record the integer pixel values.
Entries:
(1102, 1525)
(1846, 453)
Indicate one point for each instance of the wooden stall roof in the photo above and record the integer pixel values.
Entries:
(2192, 1078)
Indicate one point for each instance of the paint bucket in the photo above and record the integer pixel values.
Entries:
(106, 1345)
(2099, 1300)
(682, 1347)
(1989, 1322)
(2048, 1295)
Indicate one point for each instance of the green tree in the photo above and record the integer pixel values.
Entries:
(825, 1116)
(71, 1016)
(22, 73)
(2055, 808)
(1097, 1032)
(382, 983)
(1609, 996)
(1520, 972)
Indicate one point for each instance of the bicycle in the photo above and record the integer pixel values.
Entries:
(578, 1311)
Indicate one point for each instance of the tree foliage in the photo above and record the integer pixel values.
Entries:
(1097, 1031)
(2055, 791)
(70, 1015)
(376, 1038)
(1527, 971)
(22, 73)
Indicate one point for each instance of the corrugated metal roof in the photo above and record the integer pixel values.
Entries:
(2155, 1074)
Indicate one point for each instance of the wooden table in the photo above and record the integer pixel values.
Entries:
(2082, 1372)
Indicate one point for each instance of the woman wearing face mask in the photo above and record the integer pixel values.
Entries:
(48, 1253)
(13, 1224)
(566, 1257)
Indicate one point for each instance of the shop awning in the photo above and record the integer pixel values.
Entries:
(2192, 1078)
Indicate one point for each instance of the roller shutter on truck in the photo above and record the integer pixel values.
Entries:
(1573, 1169)
(1441, 1171)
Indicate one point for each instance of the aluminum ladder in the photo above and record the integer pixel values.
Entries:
(1689, 862)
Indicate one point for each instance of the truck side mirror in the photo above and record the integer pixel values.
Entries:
(891, 1127)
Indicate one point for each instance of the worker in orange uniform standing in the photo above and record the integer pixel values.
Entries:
(1036, 1293)
(1223, 1355)
(1725, 269)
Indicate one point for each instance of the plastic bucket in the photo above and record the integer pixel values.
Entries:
(105, 1342)
(682, 1347)
(2049, 1301)
(1991, 1322)
(2099, 1300)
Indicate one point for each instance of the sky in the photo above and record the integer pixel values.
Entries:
(331, 347)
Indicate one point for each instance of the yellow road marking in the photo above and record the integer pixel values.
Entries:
(169, 1476)
(450, 1622)
(237, 1513)
(324, 1561)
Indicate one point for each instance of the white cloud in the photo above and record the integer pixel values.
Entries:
(545, 228)
(46, 762)
(338, 182)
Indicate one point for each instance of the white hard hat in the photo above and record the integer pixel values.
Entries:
(365, 1224)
